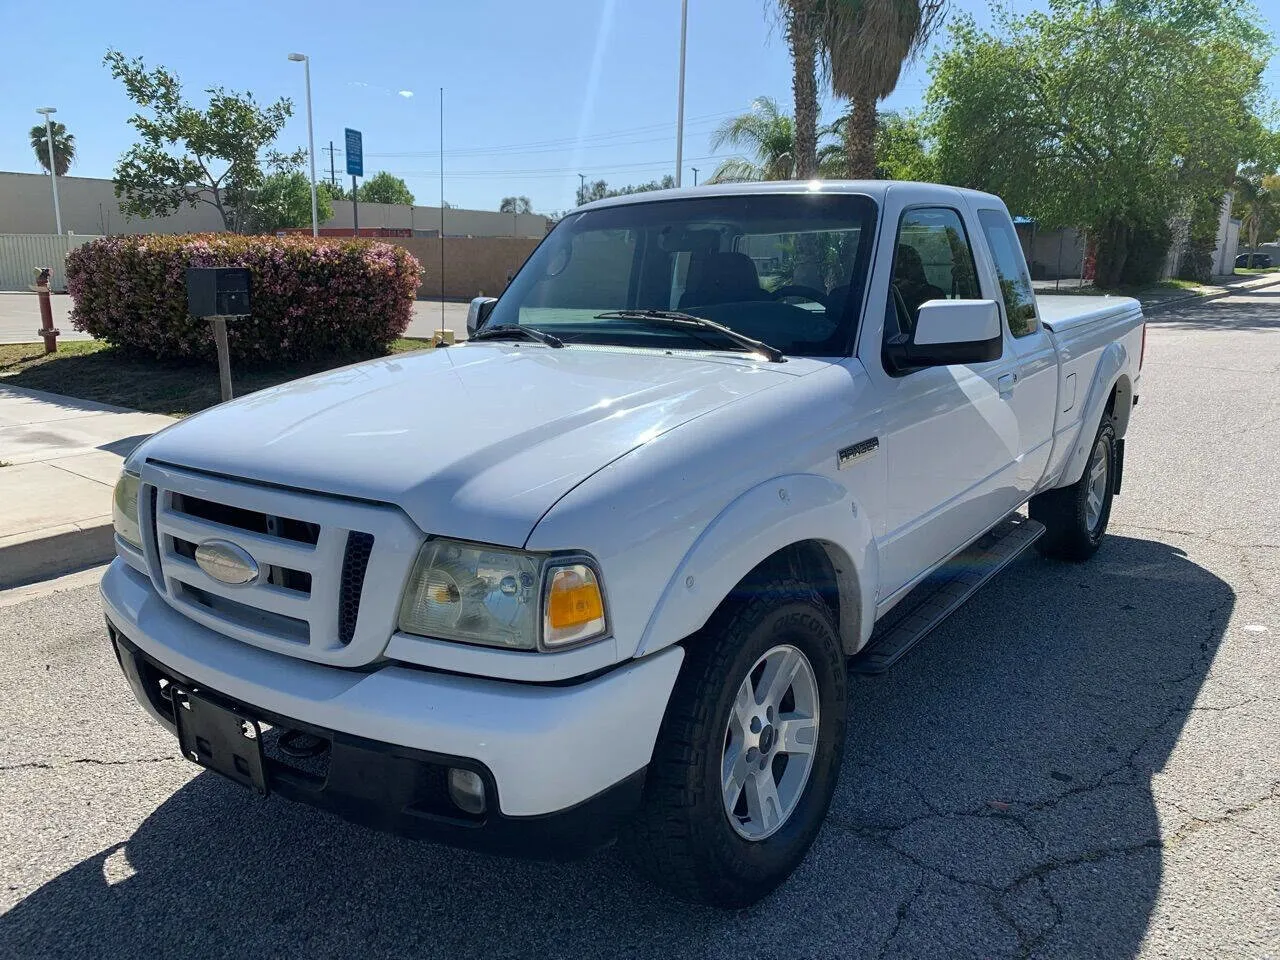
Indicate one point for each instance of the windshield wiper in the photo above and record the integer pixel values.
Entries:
(677, 320)
(505, 331)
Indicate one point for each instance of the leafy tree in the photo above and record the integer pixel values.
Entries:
(336, 190)
(64, 147)
(600, 189)
(284, 200)
(865, 44)
(1110, 115)
(515, 205)
(383, 187)
(190, 156)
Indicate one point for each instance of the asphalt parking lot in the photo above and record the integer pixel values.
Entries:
(1084, 762)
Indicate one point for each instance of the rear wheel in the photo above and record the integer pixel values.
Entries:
(1076, 517)
(749, 751)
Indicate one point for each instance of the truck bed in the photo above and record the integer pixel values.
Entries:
(1063, 312)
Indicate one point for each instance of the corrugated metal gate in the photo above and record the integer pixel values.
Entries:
(22, 253)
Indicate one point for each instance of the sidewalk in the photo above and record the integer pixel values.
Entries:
(59, 460)
(1156, 299)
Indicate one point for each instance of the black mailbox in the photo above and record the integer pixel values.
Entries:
(218, 291)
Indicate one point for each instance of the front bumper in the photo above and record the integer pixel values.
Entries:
(544, 750)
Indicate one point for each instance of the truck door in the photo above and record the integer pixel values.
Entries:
(1033, 394)
(950, 434)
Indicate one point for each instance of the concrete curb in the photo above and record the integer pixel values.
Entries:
(41, 554)
(1254, 284)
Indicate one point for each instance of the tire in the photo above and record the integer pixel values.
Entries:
(1074, 528)
(684, 838)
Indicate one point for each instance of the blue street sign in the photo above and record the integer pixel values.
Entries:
(355, 153)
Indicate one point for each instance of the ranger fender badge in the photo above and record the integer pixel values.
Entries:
(859, 451)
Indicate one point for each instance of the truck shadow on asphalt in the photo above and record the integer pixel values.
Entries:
(1244, 310)
(996, 801)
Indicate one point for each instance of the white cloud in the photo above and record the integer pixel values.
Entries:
(405, 93)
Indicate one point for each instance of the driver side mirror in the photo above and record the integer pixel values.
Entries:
(478, 312)
(950, 331)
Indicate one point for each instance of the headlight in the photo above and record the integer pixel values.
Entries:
(124, 510)
(501, 598)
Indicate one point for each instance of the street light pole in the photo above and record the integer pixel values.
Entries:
(684, 24)
(53, 166)
(695, 176)
(311, 142)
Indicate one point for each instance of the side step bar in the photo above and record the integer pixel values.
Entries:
(944, 591)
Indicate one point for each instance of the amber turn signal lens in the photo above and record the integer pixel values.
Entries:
(575, 606)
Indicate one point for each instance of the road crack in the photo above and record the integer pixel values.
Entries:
(88, 761)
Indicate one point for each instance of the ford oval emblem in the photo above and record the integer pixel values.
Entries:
(226, 562)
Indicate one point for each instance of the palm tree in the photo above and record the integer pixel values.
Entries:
(1255, 203)
(801, 19)
(770, 136)
(865, 44)
(764, 131)
(64, 147)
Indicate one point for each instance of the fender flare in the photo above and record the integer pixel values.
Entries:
(777, 513)
(1112, 369)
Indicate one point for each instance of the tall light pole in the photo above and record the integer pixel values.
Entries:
(684, 25)
(311, 142)
(695, 175)
(53, 166)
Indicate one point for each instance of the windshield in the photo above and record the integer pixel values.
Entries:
(786, 269)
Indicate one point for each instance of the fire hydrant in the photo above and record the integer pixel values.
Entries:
(47, 329)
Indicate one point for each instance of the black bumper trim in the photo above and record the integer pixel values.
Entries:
(401, 790)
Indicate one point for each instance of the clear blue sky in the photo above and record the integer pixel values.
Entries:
(534, 92)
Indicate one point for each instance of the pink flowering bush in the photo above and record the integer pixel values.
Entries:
(311, 299)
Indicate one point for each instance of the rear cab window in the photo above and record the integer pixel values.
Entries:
(1011, 270)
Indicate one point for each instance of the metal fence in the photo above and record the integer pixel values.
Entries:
(22, 253)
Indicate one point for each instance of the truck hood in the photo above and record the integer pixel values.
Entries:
(476, 441)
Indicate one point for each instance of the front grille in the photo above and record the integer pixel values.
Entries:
(252, 521)
(313, 555)
(354, 565)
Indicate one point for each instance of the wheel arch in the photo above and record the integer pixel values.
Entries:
(1111, 390)
(803, 523)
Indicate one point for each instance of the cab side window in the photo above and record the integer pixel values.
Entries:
(932, 261)
(1011, 268)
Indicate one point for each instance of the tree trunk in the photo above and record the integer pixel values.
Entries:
(1113, 251)
(804, 88)
(860, 139)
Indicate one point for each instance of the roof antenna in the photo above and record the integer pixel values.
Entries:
(442, 337)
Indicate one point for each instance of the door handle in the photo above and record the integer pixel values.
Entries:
(1006, 382)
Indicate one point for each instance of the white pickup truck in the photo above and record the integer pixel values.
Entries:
(603, 569)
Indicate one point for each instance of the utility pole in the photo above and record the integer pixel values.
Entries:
(582, 189)
(333, 171)
(47, 112)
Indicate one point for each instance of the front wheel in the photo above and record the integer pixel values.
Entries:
(749, 751)
(1076, 517)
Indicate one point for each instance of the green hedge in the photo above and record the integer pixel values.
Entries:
(312, 299)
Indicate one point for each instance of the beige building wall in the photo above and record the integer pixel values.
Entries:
(457, 223)
(473, 266)
(89, 206)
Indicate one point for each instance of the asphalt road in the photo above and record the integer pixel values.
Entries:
(1084, 762)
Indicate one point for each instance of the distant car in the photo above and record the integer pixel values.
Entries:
(1255, 260)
